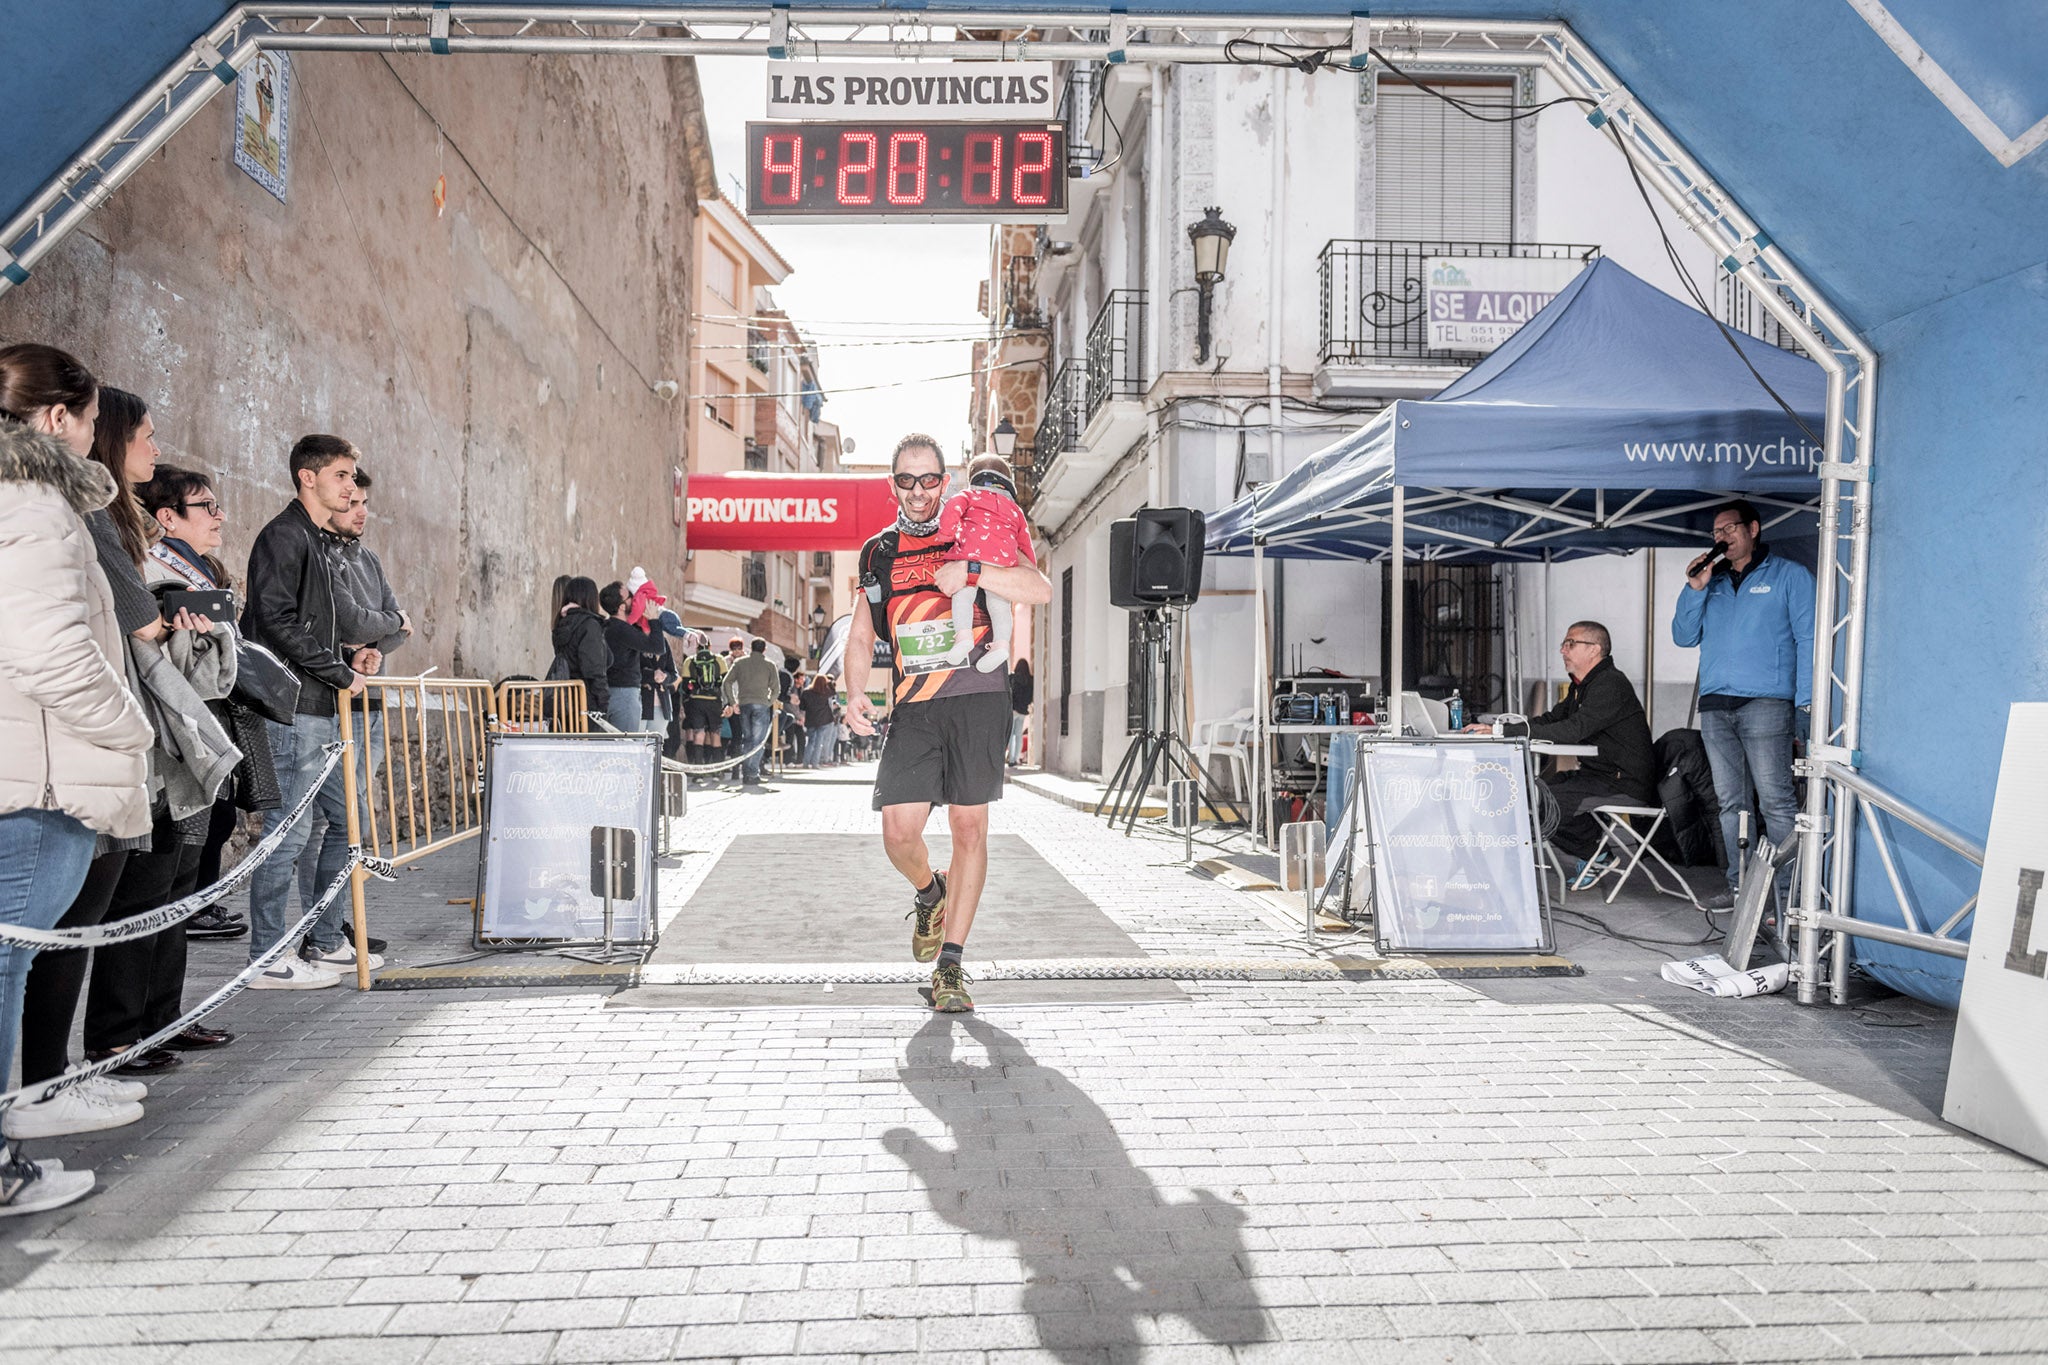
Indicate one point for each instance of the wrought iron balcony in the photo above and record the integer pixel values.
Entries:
(1059, 419)
(1116, 350)
(754, 576)
(756, 455)
(757, 349)
(1373, 295)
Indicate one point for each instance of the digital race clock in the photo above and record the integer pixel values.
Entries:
(994, 172)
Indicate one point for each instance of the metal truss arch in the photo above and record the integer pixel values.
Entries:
(1744, 247)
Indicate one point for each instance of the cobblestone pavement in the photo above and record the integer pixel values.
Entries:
(1597, 1169)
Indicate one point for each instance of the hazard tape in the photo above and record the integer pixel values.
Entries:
(177, 912)
(35, 1094)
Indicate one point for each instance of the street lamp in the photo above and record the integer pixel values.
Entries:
(1004, 438)
(1211, 238)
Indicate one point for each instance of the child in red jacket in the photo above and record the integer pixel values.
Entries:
(986, 526)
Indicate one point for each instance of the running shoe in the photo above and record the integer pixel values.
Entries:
(1592, 871)
(949, 989)
(928, 928)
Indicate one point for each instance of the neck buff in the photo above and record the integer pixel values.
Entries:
(915, 528)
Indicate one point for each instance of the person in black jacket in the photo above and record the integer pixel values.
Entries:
(291, 613)
(1021, 695)
(580, 650)
(1600, 708)
(629, 645)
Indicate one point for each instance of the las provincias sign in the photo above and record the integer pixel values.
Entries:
(762, 511)
(912, 91)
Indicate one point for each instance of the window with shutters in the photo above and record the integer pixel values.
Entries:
(1066, 644)
(721, 273)
(719, 398)
(1442, 175)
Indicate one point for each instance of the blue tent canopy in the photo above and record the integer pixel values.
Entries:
(1616, 419)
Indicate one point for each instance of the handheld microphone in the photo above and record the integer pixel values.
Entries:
(1710, 558)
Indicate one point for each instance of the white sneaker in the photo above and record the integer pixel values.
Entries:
(343, 960)
(114, 1088)
(77, 1110)
(294, 975)
(32, 1186)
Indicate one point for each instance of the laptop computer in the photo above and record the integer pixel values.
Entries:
(1429, 719)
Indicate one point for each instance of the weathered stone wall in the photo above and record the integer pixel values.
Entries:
(494, 362)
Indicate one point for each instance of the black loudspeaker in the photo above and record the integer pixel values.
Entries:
(1155, 558)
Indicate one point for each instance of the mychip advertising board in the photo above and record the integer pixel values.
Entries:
(1453, 848)
(549, 801)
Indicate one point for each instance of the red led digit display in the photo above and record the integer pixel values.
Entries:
(782, 171)
(857, 164)
(995, 172)
(907, 167)
(984, 169)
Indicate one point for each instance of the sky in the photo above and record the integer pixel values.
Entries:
(862, 291)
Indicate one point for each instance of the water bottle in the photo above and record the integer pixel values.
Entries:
(1457, 705)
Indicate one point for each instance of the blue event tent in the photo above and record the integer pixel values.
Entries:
(1616, 419)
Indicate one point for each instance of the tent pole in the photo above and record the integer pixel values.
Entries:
(1650, 640)
(1261, 699)
(1399, 569)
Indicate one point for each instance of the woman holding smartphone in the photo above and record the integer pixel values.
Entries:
(124, 443)
(138, 986)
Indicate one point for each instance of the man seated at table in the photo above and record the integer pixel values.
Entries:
(1601, 709)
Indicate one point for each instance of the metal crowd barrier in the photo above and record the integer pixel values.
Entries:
(542, 708)
(419, 770)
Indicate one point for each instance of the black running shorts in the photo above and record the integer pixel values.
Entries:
(701, 713)
(948, 752)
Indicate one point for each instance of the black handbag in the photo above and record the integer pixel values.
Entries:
(263, 683)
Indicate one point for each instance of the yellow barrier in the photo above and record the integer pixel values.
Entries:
(559, 708)
(429, 799)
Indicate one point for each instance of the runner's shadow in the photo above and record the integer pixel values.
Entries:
(1035, 1162)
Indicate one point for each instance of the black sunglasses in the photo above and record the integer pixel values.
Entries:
(909, 481)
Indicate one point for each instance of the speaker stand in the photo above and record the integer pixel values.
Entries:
(1156, 752)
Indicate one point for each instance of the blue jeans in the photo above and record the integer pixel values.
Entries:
(623, 711)
(44, 855)
(819, 745)
(321, 862)
(1750, 752)
(295, 749)
(754, 717)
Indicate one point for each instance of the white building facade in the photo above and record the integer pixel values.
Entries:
(1338, 186)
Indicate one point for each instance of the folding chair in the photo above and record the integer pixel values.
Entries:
(1621, 839)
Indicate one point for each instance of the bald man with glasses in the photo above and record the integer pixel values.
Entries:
(1601, 709)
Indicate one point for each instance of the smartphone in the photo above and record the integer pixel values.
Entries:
(215, 604)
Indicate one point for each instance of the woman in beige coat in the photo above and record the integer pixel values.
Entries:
(73, 741)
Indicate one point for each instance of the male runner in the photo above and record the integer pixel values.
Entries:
(948, 725)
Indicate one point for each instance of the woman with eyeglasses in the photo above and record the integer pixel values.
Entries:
(138, 987)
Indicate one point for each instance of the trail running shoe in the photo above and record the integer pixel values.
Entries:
(928, 930)
(949, 989)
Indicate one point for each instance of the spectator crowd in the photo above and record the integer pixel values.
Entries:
(725, 715)
(141, 713)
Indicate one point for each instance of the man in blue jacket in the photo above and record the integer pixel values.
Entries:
(1752, 619)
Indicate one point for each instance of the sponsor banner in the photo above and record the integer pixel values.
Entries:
(1477, 302)
(551, 801)
(880, 91)
(757, 511)
(1456, 856)
(1997, 1069)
